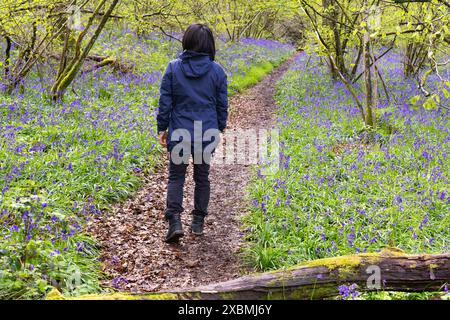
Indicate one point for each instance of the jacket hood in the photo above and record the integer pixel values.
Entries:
(195, 64)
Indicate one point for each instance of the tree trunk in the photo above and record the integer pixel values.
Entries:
(32, 44)
(7, 56)
(414, 58)
(389, 270)
(64, 53)
(368, 79)
(339, 52)
(408, 68)
(356, 63)
(66, 78)
(326, 23)
(331, 16)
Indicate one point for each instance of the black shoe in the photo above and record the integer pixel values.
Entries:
(197, 224)
(175, 229)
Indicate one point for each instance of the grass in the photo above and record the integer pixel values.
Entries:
(254, 74)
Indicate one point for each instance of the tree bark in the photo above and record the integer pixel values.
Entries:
(414, 58)
(330, 20)
(368, 79)
(7, 56)
(64, 53)
(356, 63)
(30, 48)
(327, 24)
(389, 270)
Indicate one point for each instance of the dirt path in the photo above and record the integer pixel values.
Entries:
(132, 235)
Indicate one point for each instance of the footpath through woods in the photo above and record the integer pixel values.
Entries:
(132, 234)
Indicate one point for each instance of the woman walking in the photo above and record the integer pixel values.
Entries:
(193, 105)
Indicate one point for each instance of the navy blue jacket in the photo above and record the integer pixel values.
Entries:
(193, 88)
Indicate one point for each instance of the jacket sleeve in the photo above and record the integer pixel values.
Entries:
(165, 100)
(222, 101)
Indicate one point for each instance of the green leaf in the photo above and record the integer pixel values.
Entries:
(42, 285)
(430, 104)
(414, 100)
(446, 93)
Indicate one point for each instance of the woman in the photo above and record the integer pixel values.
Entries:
(193, 101)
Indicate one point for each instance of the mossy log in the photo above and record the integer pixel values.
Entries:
(389, 270)
(117, 65)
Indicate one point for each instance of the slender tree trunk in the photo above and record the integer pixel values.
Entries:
(374, 75)
(339, 52)
(414, 58)
(72, 70)
(235, 23)
(329, 26)
(408, 69)
(7, 56)
(66, 48)
(77, 52)
(330, 19)
(368, 79)
(30, 48)
(356, 63)
(64, 53)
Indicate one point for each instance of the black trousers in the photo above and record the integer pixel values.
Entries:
(177, 174)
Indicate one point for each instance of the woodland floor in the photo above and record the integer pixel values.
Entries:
(131, 235)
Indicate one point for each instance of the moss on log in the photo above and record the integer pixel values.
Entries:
(56, 295)
(389, 270)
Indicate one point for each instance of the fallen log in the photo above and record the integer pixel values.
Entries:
(389, 270)
(102, 61)
(117, 65)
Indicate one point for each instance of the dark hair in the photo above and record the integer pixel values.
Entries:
(198, 37)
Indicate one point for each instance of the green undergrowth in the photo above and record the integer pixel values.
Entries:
(342, 189)
(254, 74)
(62, 164)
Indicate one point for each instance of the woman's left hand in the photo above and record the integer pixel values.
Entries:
(163, 138)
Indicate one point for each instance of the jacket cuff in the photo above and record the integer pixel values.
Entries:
(161, 128)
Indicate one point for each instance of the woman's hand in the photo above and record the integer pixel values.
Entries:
(163, 138)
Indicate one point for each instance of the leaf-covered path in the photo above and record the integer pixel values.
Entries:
(132, 235)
